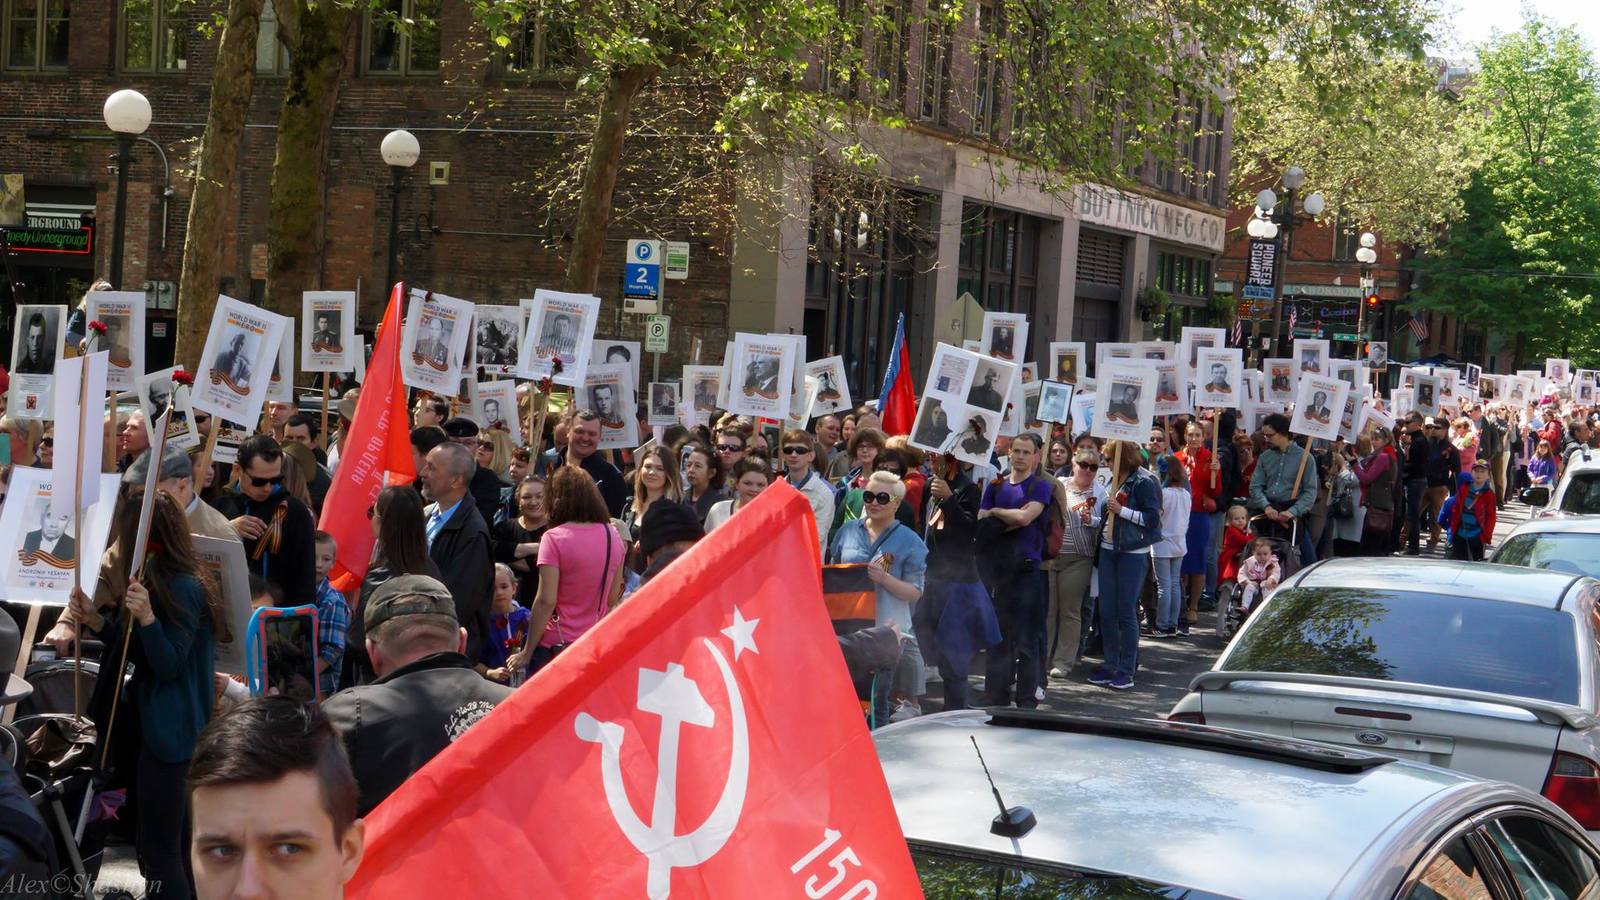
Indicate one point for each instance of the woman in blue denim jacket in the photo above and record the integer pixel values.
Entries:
(1133, 523)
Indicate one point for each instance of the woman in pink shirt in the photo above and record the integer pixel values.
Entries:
(580, 567)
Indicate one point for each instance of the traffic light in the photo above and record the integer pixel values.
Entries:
(1372, 300)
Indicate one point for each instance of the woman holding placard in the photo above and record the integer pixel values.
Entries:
(1205, 484)
(1132, 513)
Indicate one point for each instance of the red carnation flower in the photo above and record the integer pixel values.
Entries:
(179, 376)
(97, 326)
(555, 365)
(544, 385)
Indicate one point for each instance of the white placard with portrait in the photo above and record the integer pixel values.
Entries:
(663, 403)
(1281, 374)
(434, 342)
(1055, 402)
(608, 393)
(236, 364)
(1352, 417)
(934, 428)
(122, 312)
(991, 385)
(833, 391)
(496, 338)
(1557, 371)
(611, 352)
(1066, 361)
(328, 340)
(1172, 393)
(1219, 377)
(494, 403)
(1310, 356)
(1519, 390)
(1377, 354)
(1194, 339)
(157, 392)
(761, 373)
(1425, 389)
(229, 571)
(560, 327)
(37, 342)
(1317, 405)
(1402, 402)
(40, 552)
(701, 386)
(1005, 336)
(1125, 400)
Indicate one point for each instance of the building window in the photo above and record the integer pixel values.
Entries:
(155, 36)
(1346, 238)
(272, 57)
(1183, 276)
(986, 78)
(540, 46)
(403, 38)
(999, 259)
(36, 34)
(935, 71)
(889, 55)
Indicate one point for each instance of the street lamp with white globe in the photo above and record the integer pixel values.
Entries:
(400, 151)
(1275, 218)
(127, 114)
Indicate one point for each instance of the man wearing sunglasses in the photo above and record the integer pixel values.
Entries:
(278, 531)
(799, 453)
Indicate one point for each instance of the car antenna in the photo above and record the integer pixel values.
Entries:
(1013, 822)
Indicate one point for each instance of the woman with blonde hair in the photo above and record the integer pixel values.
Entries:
(1465, 439)
(494, 452)
(1132, 513)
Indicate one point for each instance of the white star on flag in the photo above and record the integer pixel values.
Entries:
(743, 633)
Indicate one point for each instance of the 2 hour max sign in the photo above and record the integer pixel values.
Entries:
(642, 270)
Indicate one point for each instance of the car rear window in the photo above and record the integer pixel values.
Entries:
(948, 874)
(1575, 554)
(1457, 642)
(1582, 494)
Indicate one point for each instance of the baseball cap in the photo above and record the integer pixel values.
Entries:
(1480, 464)
(461, 427)
(668, 523)
(407, 595)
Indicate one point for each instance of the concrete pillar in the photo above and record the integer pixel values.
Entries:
(767, 287)
(1137, 277)
(1058, 277)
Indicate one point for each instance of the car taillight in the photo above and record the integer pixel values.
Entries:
(1193, 718)
(1574, 785)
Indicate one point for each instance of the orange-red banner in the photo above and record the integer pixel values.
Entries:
(376, 453)
(703, 740)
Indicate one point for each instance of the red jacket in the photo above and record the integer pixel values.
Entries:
(1483, 508)
(1197, 466)
(1234, 540)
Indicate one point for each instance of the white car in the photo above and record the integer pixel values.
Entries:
(1560, 543)
(1576, 492)
(1482, 668)
(1130, 809)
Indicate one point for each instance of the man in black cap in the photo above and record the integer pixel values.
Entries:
(427, 693)
(484, 486)
(668, 529)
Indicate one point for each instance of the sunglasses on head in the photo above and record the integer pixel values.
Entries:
(882, 498)
(796, 450)
(264, 482)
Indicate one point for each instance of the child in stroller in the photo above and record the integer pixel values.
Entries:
(1238, 596)
(1259, 574)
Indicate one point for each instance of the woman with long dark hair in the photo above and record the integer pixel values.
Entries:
(176, 613)
(702, 477)
(401, 549)
(516, 540)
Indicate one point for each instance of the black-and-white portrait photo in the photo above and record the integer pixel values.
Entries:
(1377, 354)
(1124, 404)
(618, 353)
(975, 439)
(760, 376)
(492, 413)
(604, 402)
(1425, 394)
(496, 342)
(1054, 402)
(1318, 410)
(1002, 342)
(433, 339)
(932, 428)
(987, 387)
(705, 394)
(663, 400)
(38, 334)
(118, 338)
(558, 334)
(52, 537)
(325, 333)
(1310, 360)
(1067, 368)
(159, 392)
(1166, 386)
(1218, 382)
(234, 364)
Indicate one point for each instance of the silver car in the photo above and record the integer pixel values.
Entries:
(1146, 808)
(1561, 543)
(1486, 669)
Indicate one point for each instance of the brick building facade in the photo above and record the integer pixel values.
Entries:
(1078, 264)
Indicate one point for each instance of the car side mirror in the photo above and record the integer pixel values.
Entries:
(1537, 495)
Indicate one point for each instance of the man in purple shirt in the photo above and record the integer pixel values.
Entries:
(1017, 503)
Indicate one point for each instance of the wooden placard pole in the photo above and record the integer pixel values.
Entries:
(327, 387)
(204, 464)
(24, 653)
(77, 539)
(1300, 471)
(539, 410)
(1216, 431)
(109, 464)
(1116, 483)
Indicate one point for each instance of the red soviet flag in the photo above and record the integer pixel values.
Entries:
(702, 740)
(376, 453)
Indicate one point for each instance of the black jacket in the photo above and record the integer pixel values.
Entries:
(292, 566)
(485, 489)
(1444, 462)
(609, 480)
(952, 549)
(393, 726)
(462, 552)
(1417, 457)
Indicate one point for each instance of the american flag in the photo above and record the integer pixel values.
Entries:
(1238, 329)
(1294, 316)
(1418, 328)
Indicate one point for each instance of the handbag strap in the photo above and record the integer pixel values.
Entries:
(605, 572)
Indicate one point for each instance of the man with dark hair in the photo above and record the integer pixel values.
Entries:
(37, 357)
(430, 410)
(583, 451)
(1273, 488)
(427, 693)
(266, 775)
(458, 538)
(423, 439)
(278, 531)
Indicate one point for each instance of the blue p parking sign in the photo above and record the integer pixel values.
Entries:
(642, 270)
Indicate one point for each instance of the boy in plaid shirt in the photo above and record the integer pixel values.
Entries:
(333, 618)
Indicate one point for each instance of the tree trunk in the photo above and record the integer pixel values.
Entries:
(600, 177)
(216, 168)
(318, 36)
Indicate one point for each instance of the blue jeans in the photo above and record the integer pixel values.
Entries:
(1169, 591)
(1019, 603)
(1121, 577)
(1218, 520)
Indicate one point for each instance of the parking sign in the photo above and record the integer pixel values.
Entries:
(642, 270)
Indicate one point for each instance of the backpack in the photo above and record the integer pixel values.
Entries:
(1057, 511)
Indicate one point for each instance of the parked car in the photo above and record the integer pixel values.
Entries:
(1486, 669)
(1146, 808)
(1561, 543)
(1576, 491)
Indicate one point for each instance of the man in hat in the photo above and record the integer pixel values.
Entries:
(483, 485)
(427, 693)
(1444, 463)
(667, 530)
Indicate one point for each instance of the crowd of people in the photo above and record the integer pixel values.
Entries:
(1058, 560)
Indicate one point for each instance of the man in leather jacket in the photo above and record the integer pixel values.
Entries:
(427, 693)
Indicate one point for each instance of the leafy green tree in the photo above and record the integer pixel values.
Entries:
(1531, 229)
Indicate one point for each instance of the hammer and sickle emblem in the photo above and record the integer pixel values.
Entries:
(678, 701)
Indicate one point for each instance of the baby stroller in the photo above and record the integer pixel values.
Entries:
(1285, 546)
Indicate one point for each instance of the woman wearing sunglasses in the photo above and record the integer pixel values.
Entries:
(897, 563)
